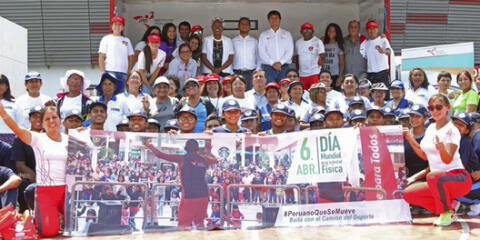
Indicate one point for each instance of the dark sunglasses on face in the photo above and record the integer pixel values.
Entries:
(437, 107)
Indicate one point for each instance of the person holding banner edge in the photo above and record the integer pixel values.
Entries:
(446, 177)
(50, 150)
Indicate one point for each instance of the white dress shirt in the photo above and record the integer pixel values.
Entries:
(227, 51)
(275, 47)
(246, 53)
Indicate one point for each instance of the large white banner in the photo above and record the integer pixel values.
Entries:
(344, 213)
(323, 156)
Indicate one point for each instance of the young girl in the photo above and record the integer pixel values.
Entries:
(150, 61)
(152, 30)
(115, 54)
(169, 44)
(335, 59)
(212, 90)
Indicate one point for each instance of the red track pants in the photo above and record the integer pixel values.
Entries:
(440, 190)
(309, 81)
(50, 203)
(192, 210)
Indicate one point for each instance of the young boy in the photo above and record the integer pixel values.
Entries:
(376, 50)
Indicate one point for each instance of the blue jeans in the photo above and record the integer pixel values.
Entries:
(273, 75)
(9, 196)
(122, 77)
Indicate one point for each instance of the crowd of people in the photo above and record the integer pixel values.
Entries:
(188, 83)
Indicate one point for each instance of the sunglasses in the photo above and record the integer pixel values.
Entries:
(198, 32)
(437, 107)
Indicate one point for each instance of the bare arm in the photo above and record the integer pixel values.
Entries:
(207, 63)
(446, 150)
(228, 62)
(12, 182)
(101, 62)
(22, 133)
(418, 176)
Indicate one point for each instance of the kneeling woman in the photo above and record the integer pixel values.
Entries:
(50, 150)
(447, 178)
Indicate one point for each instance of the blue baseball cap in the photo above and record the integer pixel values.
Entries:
(357, 114)
(293, 84)
(73, 113)
(35, 109)
(333, 109)
(474, 117)
(230, 104)
(280, 108)
(111, 77)
(316, 109)
(388, 111)
(379, 86)
(291, 112)
(404, 113)
(364, 83)
(137, 113)
(317, 117)
(171, 124)
(375, 108)
(248, 114)
(462, 116)
(153, 121)
(33, 75)
(397, 84)
(187, 109)
(419, 110)
(356, 100)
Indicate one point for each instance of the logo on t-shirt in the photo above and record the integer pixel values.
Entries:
(125, 43)
(311, 48)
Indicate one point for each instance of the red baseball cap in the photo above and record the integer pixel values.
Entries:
(285, 80)
(372, 24)
(196, 28)
(307, 26)
(201, 78)
(118, 19)
(212, 77)
(227, 79)
(154, 38)
(272, 85)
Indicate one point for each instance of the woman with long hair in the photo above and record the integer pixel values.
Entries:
(335, 59)
(212, 90)
(419, 89)
(8, 102)
(184, 67)
(467, 101)
(133, 95)
(150, 61)
(169, 44)
(446, 177)
(50, 148)
(195, 44)
(152, 30)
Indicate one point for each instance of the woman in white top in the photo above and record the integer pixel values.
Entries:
(152, 30)
(150, 61)
(446, 177)
(133, 96)
(74, 83)
(239, 86)
(51, 154)
(419, 90)
(183, 67)
(8, 101)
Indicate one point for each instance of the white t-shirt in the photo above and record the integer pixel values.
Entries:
(13, 111)
(157, 62)
(51, 159)
(308, 55)
(447, 134)
(117, 49)
(421, 95)
(117, 109)
(132, 102)
(333, 96)
(140, 46)
(70, 103)
(25, 103)
(376, 61)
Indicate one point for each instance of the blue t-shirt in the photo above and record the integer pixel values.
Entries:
(467, 155)
(413, 162)
(22, 152)
(201, 111)
(265, 120)
(5, 151)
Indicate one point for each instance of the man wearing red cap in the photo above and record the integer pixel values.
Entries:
(115, 54)
(275, 48)
(311, 56)
(246, 52)
(376, 50)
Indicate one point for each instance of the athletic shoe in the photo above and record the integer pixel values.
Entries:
(474, 210)
(445, 219)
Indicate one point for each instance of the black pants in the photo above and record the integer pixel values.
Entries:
(21, 197)
(382, 76)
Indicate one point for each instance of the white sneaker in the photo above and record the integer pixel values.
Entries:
(474, 210)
